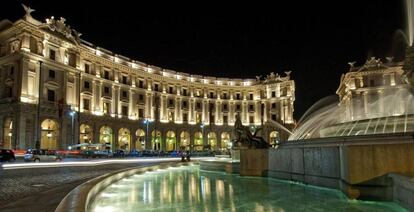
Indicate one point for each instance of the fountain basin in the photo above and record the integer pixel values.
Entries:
(188, 188)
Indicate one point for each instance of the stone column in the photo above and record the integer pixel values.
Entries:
(132, 110)
(218, 113)
(244, 112)
(24, 69)
(178, 111)
(149, 113)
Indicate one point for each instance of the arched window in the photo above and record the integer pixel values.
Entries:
(171, 141)
(225, 140)
(7, 134)
(156, 140)
(49, 134)
(85, 133)
(185, 140)
(106, 136)
(140, 142)
(124, 139)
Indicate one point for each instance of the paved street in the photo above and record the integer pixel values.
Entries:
(41, 189)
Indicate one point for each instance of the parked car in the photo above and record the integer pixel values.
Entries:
(7, 155)
(104, 154)
(134, 153)
(119, 153)
(42, 155)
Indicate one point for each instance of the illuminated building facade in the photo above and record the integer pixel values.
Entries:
(60, 90)
(373, 99)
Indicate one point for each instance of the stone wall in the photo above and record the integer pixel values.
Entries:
(254, 162)
(359, 166)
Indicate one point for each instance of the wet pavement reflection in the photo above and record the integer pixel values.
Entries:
(189, 189)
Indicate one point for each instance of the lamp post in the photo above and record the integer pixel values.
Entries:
(37, 144)
(202, 133)
(72, 114)
(146, 122)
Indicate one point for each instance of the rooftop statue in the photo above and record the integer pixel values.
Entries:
(28, 10)
(244, 138)
(61, 27)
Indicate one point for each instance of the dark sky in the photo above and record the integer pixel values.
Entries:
(239, 40)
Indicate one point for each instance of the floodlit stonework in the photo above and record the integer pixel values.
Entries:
(91, 95)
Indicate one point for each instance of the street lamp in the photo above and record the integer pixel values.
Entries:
(72, 114)
(40, 95)
(146, 122)
(202, 133)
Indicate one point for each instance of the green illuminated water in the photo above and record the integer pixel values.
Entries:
(190, 189)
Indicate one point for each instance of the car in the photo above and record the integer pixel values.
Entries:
(104, 153)
(7, 155)
(42, 155)
(119, 153)
(134, 153)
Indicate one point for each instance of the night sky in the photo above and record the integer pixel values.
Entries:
(313, 40)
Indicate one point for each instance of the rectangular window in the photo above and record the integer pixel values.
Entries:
(12, 70)
(140, 113)
(225, 107)
(50, 95)
(224, 95)
(72, 60)
(225, 120)
(86, 104)
(198, 105)
(156, 87)
(211, 106)
(273, 105)
(273, 94)
(251, 96)
(211, 95)
(106, 75)
(184, 92)
(170, 90)
(86, 84)
(52, 54)
(124, 80)
(237, 96)
(140, 84)
(87, 68)
(141, 97)
(124, 94)
(106, 90)
(171, 103)
(185, 117)
(52, 74)
(238, 107)
(251, 119)
(184, 104)
(106, 107)
(274, 117)
(125, 110)
(251, 107)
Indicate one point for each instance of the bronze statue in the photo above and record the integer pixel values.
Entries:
(243, 136)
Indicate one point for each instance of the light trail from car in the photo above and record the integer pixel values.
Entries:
(86, 163)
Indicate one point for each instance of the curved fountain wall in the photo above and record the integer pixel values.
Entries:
(373, 99)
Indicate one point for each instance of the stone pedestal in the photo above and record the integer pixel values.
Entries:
(254, 162)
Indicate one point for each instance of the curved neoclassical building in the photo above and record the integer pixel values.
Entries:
(57, 90)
